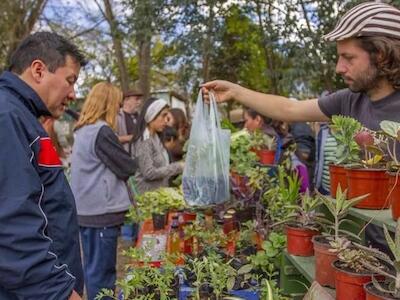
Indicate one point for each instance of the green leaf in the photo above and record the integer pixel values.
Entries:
(245, 269)
(390, 128)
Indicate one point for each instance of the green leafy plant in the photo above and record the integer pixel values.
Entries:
(343, 129)
(392, 131)
(242, 159)
(267, 260)
(305, 214)
(283, 193)
(392, 283)
(260, 140)
(158, 201)
(339, 209)
(143, 281)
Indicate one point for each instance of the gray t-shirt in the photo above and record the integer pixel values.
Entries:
(360, 107)
(369, 114)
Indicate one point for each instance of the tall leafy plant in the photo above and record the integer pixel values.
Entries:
(343, 129)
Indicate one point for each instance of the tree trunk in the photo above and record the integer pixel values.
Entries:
(116, 38)
(22, 16)
(144, 64)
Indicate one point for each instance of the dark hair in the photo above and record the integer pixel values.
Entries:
(385, 56)
(253, 114)
(141, 123)
(49, 47)
(169, 134)
(179, 117)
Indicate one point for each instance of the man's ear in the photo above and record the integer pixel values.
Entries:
(259, 120)
(37, 70)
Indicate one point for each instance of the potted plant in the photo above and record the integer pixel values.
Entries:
(391, 130)
(350, 271)
(156, 205)
(389, 288)
(324, 256)
(343, 130)
(301, 225)
(241, 160)
(264, 146)
(369, 176)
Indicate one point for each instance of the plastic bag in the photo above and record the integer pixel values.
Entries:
(206, 173)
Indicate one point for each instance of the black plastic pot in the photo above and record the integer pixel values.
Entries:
(159, 221)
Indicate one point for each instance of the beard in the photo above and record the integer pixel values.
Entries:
(366, 81)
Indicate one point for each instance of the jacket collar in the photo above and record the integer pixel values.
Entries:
(24, 93)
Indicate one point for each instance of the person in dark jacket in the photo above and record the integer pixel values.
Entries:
(39, 241)
(100, 168)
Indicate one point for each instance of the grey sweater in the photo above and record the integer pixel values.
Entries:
(154, 168)
(99, 169)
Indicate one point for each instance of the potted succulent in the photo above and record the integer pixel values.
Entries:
(324, 256)
(350, 271)
(301, 225)
(264, 146)
(391, 130)
(389, 287)
(343, 130)
(369, 175)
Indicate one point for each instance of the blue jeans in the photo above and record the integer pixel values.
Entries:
(99, 247)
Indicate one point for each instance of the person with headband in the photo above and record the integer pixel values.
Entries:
(368, 46)
(154, 166)
(100, 168)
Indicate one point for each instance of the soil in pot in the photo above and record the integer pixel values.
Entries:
(299, 240)
(159, 221)
(373, 294)
(368, 181)
(394, 194)
(324, 272)
(337, 175)
(349, 284)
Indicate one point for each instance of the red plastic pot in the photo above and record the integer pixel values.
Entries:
(267, 157)
(324, 272)
(337, 175)
(368, 181)
(299, 240)
(349, 285)
(373, 294)
(394, 194)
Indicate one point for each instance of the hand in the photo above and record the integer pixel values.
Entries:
(74, 296)
(223, 90)
(181, 164)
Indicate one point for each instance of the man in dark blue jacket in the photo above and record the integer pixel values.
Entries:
(39, 243)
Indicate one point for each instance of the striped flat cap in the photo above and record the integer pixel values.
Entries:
(367, 19)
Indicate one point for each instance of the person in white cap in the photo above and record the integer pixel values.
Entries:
(368, 46)
(154, 166)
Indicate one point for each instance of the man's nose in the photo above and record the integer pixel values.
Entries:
(340, 67)
(72, 95)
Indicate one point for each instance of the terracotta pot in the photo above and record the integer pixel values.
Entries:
(373, 294)
(394, 194)
(337, 175)
(267, 157)
(349, 285)
(324, 272)
(299, 241)
(368, 181)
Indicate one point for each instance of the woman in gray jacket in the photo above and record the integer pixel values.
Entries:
(154, 166)
(99, 170)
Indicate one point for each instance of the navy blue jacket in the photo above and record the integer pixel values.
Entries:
(39, 242)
